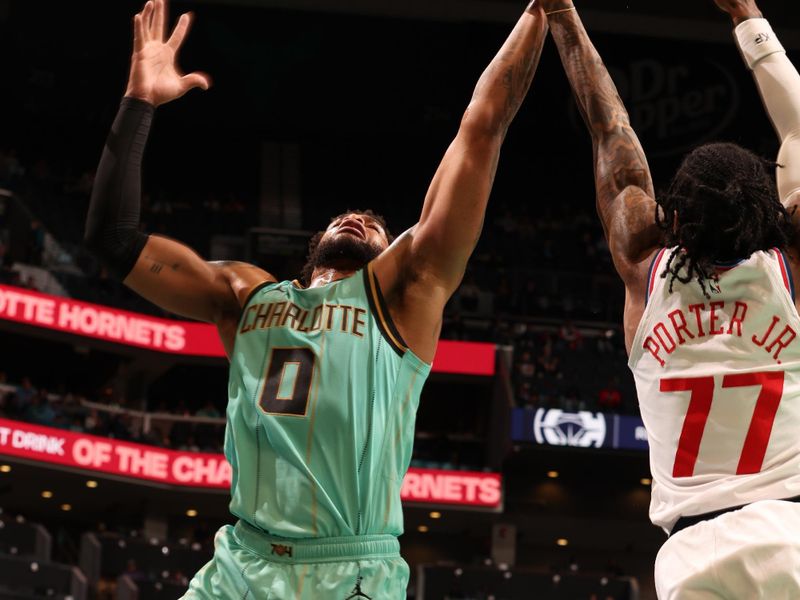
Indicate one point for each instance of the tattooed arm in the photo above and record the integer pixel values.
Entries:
(622, 177)
(453, 212)
(624, 188)
(425, 266)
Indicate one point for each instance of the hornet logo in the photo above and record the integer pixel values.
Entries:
(580, 430)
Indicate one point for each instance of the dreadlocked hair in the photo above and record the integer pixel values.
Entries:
(308, 268)
(722, 205)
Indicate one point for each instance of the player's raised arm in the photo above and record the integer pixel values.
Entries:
(164, 271)
(779, 84)
(625, 196)
(452, 215)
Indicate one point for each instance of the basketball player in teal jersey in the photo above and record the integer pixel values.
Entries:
(324, 379)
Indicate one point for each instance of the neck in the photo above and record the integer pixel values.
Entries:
(324, 276)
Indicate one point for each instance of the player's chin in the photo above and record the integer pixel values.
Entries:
(345, 249)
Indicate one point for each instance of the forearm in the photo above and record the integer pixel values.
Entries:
(504, 84)
(620, 160)
(454, 209)
(779, 84)
(113, 219)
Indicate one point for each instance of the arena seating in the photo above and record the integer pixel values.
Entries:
(27, 569)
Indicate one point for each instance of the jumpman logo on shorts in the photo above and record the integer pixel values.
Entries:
(357, 593)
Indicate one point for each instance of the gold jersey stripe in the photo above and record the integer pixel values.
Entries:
(377, 303)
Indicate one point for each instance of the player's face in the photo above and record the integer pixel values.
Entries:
(361, 227)
(349, 243)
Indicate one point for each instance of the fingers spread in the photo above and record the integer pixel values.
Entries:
(159, 20)
(147, 19)
(181, 29)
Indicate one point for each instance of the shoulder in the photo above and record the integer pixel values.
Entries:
(243, 278)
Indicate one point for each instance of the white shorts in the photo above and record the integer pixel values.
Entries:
(749, 554)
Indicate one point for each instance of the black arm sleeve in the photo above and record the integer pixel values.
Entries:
(112, 225)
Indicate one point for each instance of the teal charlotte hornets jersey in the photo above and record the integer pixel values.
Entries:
(323, 400)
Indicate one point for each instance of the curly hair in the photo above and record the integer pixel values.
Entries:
(313, 243)
(722, 205)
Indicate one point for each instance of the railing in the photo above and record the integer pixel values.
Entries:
(146, 419)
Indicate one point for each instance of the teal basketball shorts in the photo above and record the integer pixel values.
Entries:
(251, 565)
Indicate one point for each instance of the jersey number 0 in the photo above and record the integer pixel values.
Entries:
(288, 381)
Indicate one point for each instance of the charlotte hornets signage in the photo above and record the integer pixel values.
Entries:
(186, 338)
(138, 462)
(582, 429)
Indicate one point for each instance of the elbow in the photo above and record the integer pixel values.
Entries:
(93, 236)
(482, 121)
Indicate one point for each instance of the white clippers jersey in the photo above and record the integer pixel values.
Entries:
(719, 388)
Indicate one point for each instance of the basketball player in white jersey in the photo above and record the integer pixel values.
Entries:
(711, 325)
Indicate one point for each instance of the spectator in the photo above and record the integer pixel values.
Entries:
(45, 413)
(30, 284)
(604, 343)
(548, 361)
(527, 397)
(209, 410)
(570, 336)
(23, 396)
(610, 398)
(133, 571)
(526, 368)
(92, 422)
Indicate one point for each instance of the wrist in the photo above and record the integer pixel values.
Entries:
(756, 40)
(141, 96)
(558, 6)
(134, 103)
(743, 11)
(740, 17)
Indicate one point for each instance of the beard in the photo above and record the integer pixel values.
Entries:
(342, 252)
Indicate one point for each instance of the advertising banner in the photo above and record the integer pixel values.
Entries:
(195, 469)
(582, 429)
(108, 324)
(463, 488)
(181, 337)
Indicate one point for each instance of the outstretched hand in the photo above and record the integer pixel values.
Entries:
(155, 77)
(739, 9)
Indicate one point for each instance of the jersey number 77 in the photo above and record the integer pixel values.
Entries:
(702, 392)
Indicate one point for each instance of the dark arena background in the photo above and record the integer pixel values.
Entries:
(529, 477)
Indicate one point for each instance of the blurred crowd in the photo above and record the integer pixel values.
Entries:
(572, 372)
(108, 416)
